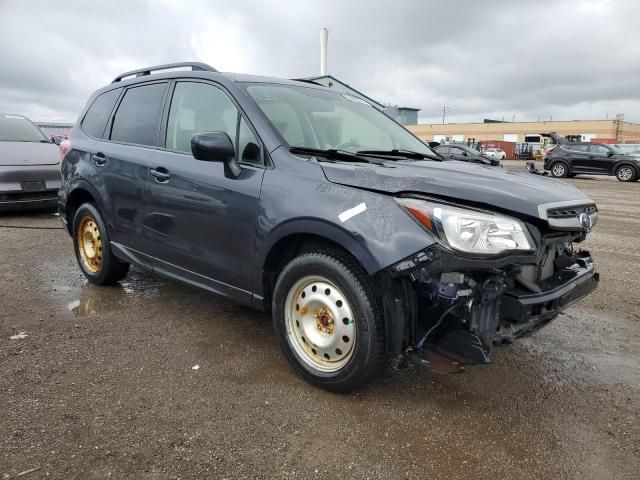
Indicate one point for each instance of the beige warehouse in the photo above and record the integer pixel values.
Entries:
(609, 131)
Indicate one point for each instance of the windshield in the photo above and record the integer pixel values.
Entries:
(314, 118)
(14, 128)
(616, 149)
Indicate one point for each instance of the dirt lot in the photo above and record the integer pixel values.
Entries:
(101, 382)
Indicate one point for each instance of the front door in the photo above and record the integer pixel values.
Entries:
(600, 159)
(202, 225)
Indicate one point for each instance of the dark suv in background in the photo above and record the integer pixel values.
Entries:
(575, 158)
(463, 153)
(311, 204)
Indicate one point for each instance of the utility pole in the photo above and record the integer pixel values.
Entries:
(444, 112)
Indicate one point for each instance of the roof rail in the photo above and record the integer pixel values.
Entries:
(195, 66)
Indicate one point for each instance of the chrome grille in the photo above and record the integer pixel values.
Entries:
(571, 212)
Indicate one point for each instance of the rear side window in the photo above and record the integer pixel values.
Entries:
(98, 114)
(576, 148)
(137, 118)
(444, 149)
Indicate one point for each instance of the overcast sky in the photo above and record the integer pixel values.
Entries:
(482, 59)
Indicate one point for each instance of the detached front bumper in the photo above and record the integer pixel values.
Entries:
(523, 313)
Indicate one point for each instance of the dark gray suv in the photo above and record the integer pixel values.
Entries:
(311, 204)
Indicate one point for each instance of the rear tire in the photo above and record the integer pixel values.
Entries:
(328, 319)
(625, 173)
(559, 170)
(92, 248)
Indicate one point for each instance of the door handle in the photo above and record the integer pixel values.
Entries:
(161, 174)
(99, 159)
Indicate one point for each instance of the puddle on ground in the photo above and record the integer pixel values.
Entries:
(94, 299)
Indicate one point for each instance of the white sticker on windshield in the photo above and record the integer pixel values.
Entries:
(352, 212)
(353, 98)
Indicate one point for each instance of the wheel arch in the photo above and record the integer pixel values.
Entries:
(563, 162)
(625, 163)
(296, 236)
(81, 192)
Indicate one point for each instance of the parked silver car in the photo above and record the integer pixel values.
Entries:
(29, 165)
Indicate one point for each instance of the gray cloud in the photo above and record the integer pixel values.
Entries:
(494, 58)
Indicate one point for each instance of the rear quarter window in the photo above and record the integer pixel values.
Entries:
(98, 114)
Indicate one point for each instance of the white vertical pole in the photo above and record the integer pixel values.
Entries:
(324, 38)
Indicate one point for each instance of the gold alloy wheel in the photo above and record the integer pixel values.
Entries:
(89, 244)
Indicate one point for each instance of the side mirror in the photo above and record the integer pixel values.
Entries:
(216, 147)
(609, 153)
(54, 139)
(465, 154)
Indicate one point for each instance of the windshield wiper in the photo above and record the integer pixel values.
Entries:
(400, 153)
(331, 153)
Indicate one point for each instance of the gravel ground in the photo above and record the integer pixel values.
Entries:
(102, 382)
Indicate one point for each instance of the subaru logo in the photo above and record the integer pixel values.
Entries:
(585, 221)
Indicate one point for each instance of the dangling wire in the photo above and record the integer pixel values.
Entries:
(424, 339)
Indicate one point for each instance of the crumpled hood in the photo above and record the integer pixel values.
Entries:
(458, 181)
(28, 153)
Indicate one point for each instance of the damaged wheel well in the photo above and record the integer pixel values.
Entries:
(397, 296)
(76, 198)
(289, 247)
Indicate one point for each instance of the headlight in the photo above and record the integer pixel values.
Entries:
(468, 230)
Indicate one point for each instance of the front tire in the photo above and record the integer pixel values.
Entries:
(559, 170)
(92, 248)
(329, 321)
(625, 173)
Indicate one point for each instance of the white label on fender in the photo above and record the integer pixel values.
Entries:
(352, 212)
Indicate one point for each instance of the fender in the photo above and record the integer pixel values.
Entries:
(350, 241)
(626, 163)
(80, 183)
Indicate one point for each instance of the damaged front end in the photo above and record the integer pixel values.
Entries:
(450, 308)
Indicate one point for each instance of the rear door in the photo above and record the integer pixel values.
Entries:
(123, 160)
(445, 152)
(202, 225)
(577, 157)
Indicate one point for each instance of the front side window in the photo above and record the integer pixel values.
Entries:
(315, 118)
(98, 114)
(136, 120)
(198, 108)
(14, 128)
(599, 149)
(248, 147)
